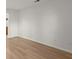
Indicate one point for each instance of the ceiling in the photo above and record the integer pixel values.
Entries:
(20, 4)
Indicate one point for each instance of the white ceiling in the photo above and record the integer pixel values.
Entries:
(20, 4)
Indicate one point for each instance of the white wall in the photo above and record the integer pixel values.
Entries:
(12, 22)
(50, 24)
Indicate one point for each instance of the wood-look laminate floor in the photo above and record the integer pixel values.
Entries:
(19, 48)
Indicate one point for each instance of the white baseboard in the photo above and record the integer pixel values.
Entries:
(46, 44)
(11, 36)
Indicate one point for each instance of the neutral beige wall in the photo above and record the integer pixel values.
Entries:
(50, 24)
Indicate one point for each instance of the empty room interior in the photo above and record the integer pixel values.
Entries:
(39, 29)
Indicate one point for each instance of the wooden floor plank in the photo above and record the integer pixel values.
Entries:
(20, 48)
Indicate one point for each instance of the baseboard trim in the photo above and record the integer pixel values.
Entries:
(12, 36)
(45, 44)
